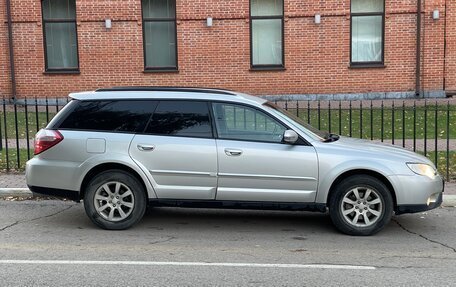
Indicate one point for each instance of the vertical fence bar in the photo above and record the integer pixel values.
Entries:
(361, 119)
(403, 123)
(18, 154)
(319, 115)
(308, 111)
(47, 111)
(392, 123)
(56, 105)
(27, 127)
(297, 109)
(414, 125)
(286, 105)
(6, 134)
(340, 117)
(448, 142)
(36, 115)
(382, 123)
(425, 128)
(350, 118)
(436, 112)
(329, 116)
(371, 121)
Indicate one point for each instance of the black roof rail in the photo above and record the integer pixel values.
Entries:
(168, 89)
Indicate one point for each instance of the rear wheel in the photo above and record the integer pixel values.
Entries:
(361, 205)
(115, 199)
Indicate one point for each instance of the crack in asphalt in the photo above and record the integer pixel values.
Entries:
(424, 237)
(162, 241)
(34, 219)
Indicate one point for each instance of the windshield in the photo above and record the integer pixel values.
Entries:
(322, 135)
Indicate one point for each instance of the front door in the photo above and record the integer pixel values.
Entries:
(254, 164)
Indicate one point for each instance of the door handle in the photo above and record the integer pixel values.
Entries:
(233, 152)
(144, 147)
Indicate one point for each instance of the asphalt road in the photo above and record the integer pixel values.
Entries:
(53, 243)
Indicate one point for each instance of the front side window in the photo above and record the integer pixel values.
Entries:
(266, 35)
(159, 34)
(236, 122)
(367, 30)
(60, 37)
(181, 118)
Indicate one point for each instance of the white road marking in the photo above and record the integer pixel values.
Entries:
(213, 264)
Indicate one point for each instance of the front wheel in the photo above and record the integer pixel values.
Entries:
(361, 205)
(115, 200)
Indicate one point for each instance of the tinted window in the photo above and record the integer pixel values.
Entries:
(243, 123)
(181, 118)
(115, 116)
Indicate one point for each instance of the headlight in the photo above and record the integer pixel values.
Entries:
(423, 169)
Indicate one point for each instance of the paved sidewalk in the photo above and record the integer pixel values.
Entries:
(14, 185)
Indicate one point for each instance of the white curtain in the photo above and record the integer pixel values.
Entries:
(266, 7)
(367, 38)
(160, 44)
(159, 8)
(366, 6)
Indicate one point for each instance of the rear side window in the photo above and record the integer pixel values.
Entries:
(181, 118)
(111, 116)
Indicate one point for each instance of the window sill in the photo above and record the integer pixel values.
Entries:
(147, 71)
(265, 69)
(367, 66)
(58, 72)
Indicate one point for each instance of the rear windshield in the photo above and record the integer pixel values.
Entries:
(113, 116)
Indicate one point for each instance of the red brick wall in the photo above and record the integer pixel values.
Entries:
(4, 63)
(316, 56)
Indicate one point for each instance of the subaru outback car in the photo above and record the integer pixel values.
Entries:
(121, 150)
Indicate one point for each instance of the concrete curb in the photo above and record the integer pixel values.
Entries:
(449, 200)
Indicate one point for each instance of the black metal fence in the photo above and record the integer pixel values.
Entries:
(426, 127)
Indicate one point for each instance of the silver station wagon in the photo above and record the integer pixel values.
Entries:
(122, 150)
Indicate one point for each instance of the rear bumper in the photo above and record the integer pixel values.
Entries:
(54, 192)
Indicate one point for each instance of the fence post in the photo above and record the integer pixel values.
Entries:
(6, 134)
(27, 128)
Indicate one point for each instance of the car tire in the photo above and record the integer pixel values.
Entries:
(360, 205)
(115, 200)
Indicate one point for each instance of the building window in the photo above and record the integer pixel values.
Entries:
(367, 32)
(60, 36)
(266, 34)
(159, 34)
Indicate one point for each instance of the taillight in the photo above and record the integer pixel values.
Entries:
(45, 139)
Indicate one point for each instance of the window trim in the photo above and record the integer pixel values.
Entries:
(267, 67)
(371, 64)
(164, 69)
(301, 141)
(47, 70)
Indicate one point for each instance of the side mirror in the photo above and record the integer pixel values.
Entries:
(290, 137)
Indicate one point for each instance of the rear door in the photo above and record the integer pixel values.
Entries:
(254, 164)
(178, 150)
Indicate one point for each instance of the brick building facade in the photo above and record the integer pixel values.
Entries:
(317, 58)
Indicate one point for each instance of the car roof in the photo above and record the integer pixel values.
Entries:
(180, 93)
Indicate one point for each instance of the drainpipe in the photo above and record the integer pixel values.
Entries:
(418, 49)
(11, 51)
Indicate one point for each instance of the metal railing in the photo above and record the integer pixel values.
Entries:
(426, 127)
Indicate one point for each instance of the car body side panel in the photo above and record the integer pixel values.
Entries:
(178, 167)
(65, 165)
(266, 172)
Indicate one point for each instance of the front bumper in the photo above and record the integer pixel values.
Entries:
(414, 208)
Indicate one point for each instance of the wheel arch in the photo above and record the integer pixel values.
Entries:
(108, 166)
(369, 172)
